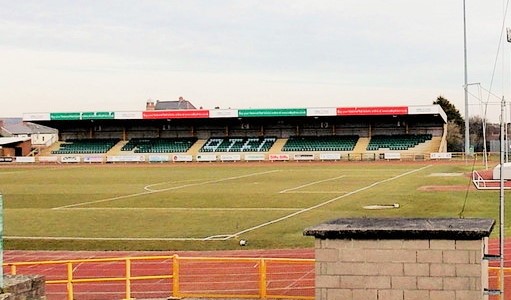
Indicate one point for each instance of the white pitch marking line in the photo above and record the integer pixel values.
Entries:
(325, 203)
(148, 187)
(317, 192)
(192, 208)
(167, 189)
(311, 183)
(71, 238)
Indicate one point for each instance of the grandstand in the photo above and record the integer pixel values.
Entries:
(85, 146)
(159, 145)
(397, 142)
(323, 143)
(349, 131)
(238, 144)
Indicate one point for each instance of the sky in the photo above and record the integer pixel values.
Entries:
(59, 56)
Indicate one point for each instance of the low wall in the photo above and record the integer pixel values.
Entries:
(23, 287)
(405, 259)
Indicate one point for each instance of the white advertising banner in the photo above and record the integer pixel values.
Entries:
(93, 159)
(36, 117)
(423, 110)
(182, 158)
(330, 156)
(323, 111)
(127, 115)
(443, 155)
(306, 156)
(254, 157)
(223, 113)
(158, 158)
(230, 157)
(70, 159)
(48, 159)
(392, 155)
(126, 158)
(278, 157)
(206, 157)
(25, 159)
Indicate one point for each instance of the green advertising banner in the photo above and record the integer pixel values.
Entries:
(273, 112)
(73, 116)
(65, 116)
(100, 115)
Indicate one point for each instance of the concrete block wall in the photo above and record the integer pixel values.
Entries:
(400, 269)
(401, 259)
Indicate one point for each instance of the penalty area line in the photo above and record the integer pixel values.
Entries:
(325, 202)
(311, 183)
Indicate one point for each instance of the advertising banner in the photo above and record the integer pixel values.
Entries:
(6, 159)
(65, 116)
(182, 158)
(206, 157)
(304, 157)
(176, 114)
(443, 155)
(93, 159)
(230, 157)
(372, 111)
(98, 115)
(318, 112)
(48, 159)
(392, 155)
(423, 110)
(125, 158)
(330, 156)
(223, 113)
(273, 112)
(70, 159)
(158, 158)
(25, 159)
(128, 115)
(36, 117)
(254, 157)
(278, 157)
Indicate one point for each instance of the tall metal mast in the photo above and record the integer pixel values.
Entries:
(467, 132)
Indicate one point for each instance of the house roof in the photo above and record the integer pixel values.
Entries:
(180, 104)
(26, 128)
(11, 140)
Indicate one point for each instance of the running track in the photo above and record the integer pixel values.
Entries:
(241, 277)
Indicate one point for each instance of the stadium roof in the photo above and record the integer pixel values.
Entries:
(11, 140)
(240, 113)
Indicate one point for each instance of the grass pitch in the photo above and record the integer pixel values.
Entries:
(202, 206)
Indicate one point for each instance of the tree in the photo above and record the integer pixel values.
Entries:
(476, 133)
(453, 114)
(454, 138)
(455, 125)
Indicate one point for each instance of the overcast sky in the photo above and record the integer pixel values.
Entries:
(115, 55)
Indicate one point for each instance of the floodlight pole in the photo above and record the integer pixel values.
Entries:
(467, 132)
(1, 242)
(502, 201)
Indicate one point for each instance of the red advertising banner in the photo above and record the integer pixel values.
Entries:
(372, 111)
(176, 114)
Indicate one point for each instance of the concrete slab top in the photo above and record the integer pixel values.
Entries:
(403, 228)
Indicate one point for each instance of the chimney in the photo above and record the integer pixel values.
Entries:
(149, 105)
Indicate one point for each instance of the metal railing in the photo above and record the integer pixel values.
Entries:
(175, 276)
